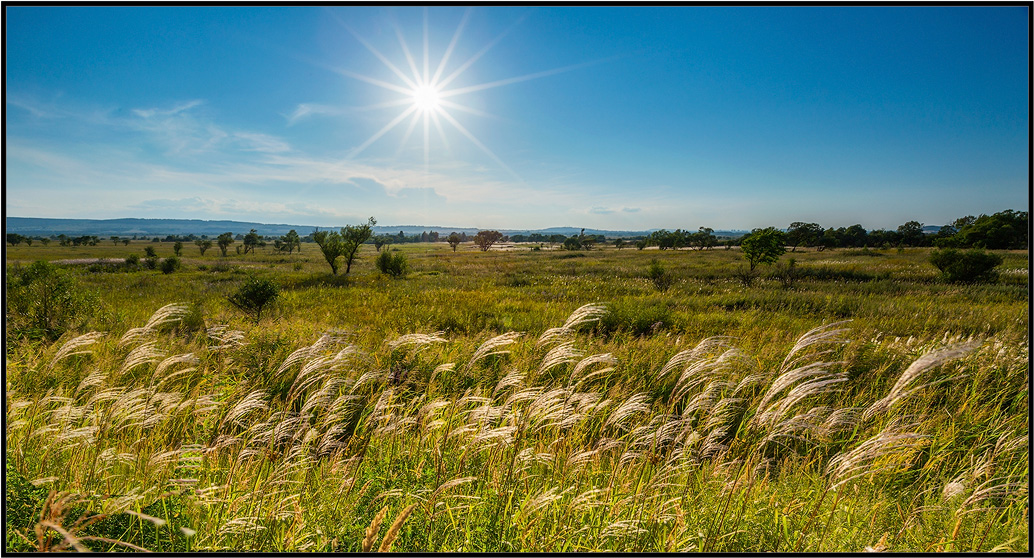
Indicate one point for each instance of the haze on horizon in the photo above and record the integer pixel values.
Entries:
(618, 118)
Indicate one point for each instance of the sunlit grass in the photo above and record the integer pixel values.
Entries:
(624, 433)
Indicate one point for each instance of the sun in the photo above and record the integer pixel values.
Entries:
(426, 98)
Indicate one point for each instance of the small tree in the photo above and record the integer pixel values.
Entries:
(203, 245)
(115, 240)
(224, 241)
(44, 241)
(619, 244)
(661, 278)
(392, 263)
(177, 248)
(149, 252)
(254, 295)
(292, 241)
(125, 242)
(380, 241)
(454, 241)
(763, 246)
(352, 237)
(251, 241)
(169, 265)
(331, 246)
(803, 233)
(485, 239)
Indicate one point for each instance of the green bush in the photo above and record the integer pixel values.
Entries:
(45, 302)
(661, 278)
(132, 260)
(169, 265)
(254, 295)
(392, 263)
(966, 267)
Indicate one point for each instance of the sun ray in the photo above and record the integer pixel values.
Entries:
(463, 67)
(466, 109)
(508, 81)
(441, 131)
(372, 81)
(409, 132)
(376, 53)
(405, 51)
(478, 143)
(382, 131)
(451, 47)
(427, 48)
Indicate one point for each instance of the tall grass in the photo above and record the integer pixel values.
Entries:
(512, 441)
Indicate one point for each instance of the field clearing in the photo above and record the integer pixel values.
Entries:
(866, 403)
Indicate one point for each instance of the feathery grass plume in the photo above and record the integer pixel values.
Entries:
(587, 500)
(771, 415)
(799, 427)
(705, 369)
(579, 376)
(815, 373)
(490, 347)
(639, 402)
(449, 485)
(888, 450)
(624, 528)
(369, 377)
(427, 411)
(1003, 490)
(74, 347)
(585, 314)
(185, 358)
(373, 529)
(513, 378)
(255, 401)
(564, 353)
(548, 409)
(225, 338)
(142, 354)
(688, 356)
(440, 369)
(930, 360)
(393, 531)
(419, 340)
(818, 336)
(704, 401)
(841, 420)
(94, 378)
(165, 315)
(502, 436)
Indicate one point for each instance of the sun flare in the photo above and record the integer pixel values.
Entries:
(426, 98)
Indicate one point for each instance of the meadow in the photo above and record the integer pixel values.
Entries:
(524, 400)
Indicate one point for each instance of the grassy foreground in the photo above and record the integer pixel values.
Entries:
(526, 401)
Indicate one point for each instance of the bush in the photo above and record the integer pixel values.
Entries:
(392, 263)
(132, 260)
(44, 301)
(169, 265)
(966, 267)
(661, 278)
(149, 252)
(254, 295)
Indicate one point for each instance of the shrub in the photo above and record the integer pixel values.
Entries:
(392, 263)
(169, 265)
(966, 267)
(44, 301)
(132, 260)
(661, 278)
(149, 252)
(254, 295)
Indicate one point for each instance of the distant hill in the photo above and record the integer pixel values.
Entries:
(38, 226)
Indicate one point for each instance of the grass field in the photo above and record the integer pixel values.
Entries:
(525, 400)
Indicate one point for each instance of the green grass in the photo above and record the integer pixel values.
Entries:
(263, 446)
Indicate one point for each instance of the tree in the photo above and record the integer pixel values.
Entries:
(224, 241)
(763, 246)
(704, 238)
(176, 248)
(454, 241)
(251, 241)
(203, 245)
(254, 295)
(331, 246)
(15, 239)
(966, 267)
(799, 233)
(352, 237)
(381, 240)
(292, 240)
(619, 244)
(911, 233)
(114, 240)
(485, 239)
(125, 242)
(572, 243)
(149, 252)
(45, 241)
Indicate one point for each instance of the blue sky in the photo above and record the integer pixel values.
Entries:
(603, 117)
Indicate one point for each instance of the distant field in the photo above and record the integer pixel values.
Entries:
(704, 416)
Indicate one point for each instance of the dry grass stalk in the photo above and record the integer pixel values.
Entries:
(911, 374)
(74, 347)
(818, 336)
(420, 340)
(561, 354)
(490, 347)
(373, 529)
(393, 531)
(585, 314)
